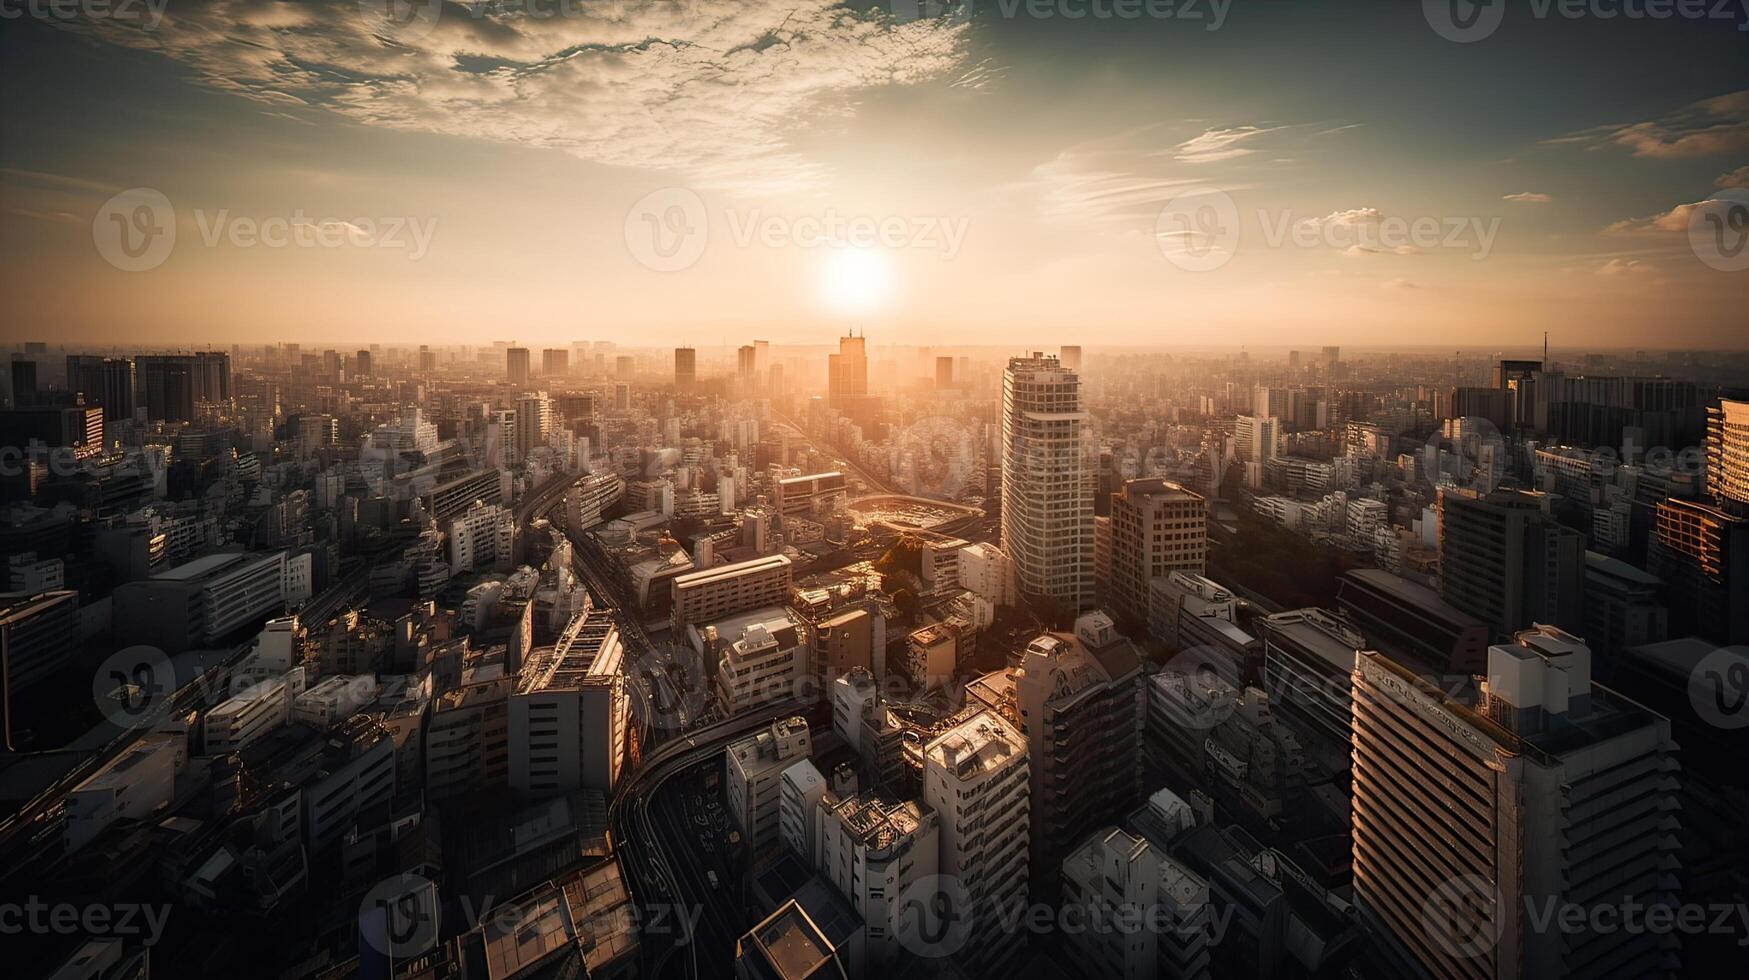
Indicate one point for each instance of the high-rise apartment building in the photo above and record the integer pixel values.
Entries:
(975, 779)
(516, 365)
(1553, 795)
(1506, 561)
(534, 422)
(1078, 700)
(1157, 528)
(872, 850)
(712, 593)
(1047, 493)
(1113, 872)
(685, 368)
(1070, 355)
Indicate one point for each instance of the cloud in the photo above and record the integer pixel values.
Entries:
(1220, 144)
(711, 90)
(1353, 218)
(1705, 128)
(1736, 178)
(1401, 284)
(1615, 268)
(1528, 197)
(1672, 222)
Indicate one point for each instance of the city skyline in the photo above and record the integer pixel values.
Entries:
(1014, 172)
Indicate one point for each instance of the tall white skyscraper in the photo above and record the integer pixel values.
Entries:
(1047, 496)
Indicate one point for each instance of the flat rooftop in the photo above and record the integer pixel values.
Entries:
(721, 572)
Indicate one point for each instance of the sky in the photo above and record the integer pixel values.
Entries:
(1125, 172)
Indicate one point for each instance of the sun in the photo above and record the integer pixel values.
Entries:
(855, 280)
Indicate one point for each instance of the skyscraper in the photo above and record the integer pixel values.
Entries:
(1701, 552)
(943, 373)
(23, 382)
(166, 386)
(1551, 792)
(847, 380)
(212, 376)
(555, 362)
(534, 421)
(516, 365)
(685, 368)
(119, 395)
(1157, 528)
(1047, 499)
(747, 365)
(361, 366)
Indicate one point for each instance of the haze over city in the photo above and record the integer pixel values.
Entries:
(834, 490)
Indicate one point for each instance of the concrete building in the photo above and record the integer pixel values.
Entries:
(872, 850)
(1079, 701)
(753, 778)
(1412, 623)
(1553, 791)
(1624, 607)
(1114, 877)
(534, 422)
(987, 572)
(467, 741)
(1047, 485)
(811, 496)
(853, 693)
(800, 789)
(975, 780)
(1157, 528)
(1504, 560)
(483, 536)
(685, 368)
(516, 365)
(1701, 552)
(714, 593)
(932, 656)
(257, 710)
(570, 714)
(1727, 454)
(358, 774)
(333, 700)
(39, 634)
(846, 641)
(754, 658)
(1308, 656)
(133, 785)
(202, 602)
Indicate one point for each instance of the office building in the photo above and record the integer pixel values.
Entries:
(1256, 438)
(988, 573)
(456, 496)
(753, 778)
(1624, 607)
(79, 429)
(132, 786)
(1047, 489)
(39, 638)
(361, 366)
(1727, 454)
(254, 712)
(811, 496)
(685, 368)
(570, 713)
(715, 593)
(943, 373)
(847, 376)
(555, 362)
(1113, 874)
(534, 422)
(1412, 623)
(1506, 561)
(1701, 552)
(166, 387)
(202, 602)
(975, 780)
(800, 790)
(747, 366)
(1308, 656)
(24, 384)
(516, 365)
(1157, 528)
(358, 776)
(1552, 792)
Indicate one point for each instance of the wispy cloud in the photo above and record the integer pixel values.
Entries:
(1528, 197)
(1705, 128)
(711, 90)
(1220, 144)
